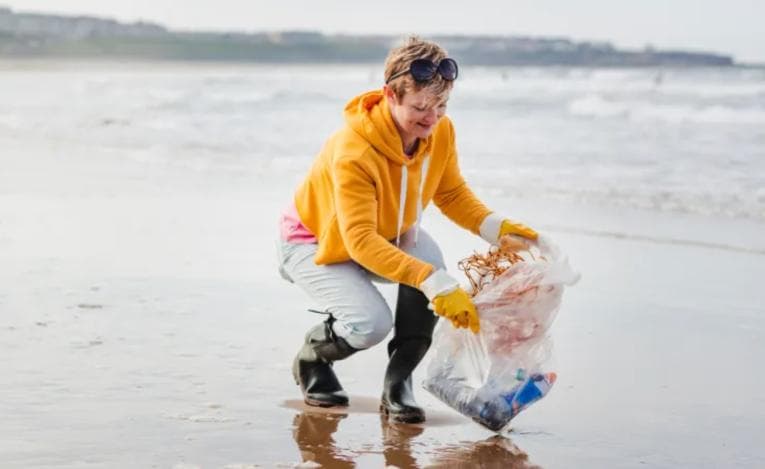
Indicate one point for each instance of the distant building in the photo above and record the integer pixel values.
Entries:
(72, 27)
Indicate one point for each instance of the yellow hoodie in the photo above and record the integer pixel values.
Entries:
(354, 199)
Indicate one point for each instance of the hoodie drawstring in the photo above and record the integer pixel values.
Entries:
(402, 202)
(402, 199)
(423, 174)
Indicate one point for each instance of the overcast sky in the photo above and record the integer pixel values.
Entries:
(734, 27)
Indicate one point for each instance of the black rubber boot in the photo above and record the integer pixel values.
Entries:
(413, 332)
(312, 368)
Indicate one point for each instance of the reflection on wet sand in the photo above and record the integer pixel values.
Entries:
(494, 452)
(397, 439)
(313, 433)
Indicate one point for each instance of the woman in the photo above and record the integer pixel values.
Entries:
(356, 216)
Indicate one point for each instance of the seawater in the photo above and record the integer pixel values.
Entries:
(683, 140)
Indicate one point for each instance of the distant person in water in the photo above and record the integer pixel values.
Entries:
(355, 220)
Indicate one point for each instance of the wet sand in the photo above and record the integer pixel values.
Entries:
(143, 324)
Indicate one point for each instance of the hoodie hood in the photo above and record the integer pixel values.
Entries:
(368, 115)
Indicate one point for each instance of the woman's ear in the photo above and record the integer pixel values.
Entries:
(390, 95)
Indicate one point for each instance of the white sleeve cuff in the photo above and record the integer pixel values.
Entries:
(490, 226)
(438, 283)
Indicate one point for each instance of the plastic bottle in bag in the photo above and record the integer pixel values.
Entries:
(495, 412)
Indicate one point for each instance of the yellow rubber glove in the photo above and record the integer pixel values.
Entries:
(513, 228)
(457, 307)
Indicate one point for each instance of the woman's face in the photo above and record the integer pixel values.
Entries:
(416, 114)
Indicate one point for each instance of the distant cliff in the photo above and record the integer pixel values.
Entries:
(39, 35)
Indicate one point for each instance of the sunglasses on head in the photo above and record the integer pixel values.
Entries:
(425, 70)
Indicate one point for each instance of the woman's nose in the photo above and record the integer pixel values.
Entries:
(431, 116)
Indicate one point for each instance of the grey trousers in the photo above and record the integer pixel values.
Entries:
(345, 289)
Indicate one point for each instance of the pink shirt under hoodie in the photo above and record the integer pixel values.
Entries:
(292, 229)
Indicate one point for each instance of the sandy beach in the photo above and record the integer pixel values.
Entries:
(143, 324)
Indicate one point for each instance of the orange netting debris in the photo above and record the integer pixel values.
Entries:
(482, 269)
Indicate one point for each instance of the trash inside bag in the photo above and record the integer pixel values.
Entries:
(492, 376)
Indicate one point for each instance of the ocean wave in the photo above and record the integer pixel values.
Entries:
(11, 122)
(225, 101)
(652, 85)
(631, 187)
(598, 106)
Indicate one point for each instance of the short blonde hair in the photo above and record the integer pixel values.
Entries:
(399, 59)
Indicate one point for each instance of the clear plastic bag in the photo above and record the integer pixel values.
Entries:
(495, 374)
